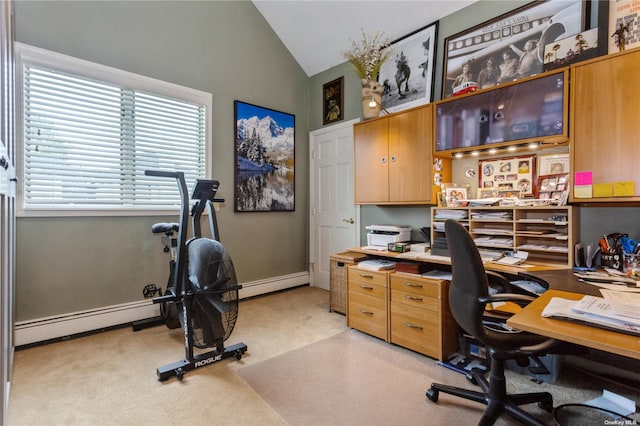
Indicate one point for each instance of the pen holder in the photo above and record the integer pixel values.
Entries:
(611, 259)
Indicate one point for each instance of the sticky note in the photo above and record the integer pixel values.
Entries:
(602, 190)
(583, 191)
(624, 189)
(583, 178)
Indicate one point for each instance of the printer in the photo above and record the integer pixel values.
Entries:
(382, 235)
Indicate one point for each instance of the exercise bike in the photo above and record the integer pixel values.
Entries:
(202, 288)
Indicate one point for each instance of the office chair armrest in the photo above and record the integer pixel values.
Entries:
(498, 282)
(520, 299)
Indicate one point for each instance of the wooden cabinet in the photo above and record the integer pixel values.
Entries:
(393, 160)
(604, 122)
(367, 301)
(547, 233)
(407, 310)
(420, 318)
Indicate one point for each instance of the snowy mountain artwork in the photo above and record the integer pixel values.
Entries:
(265, 148)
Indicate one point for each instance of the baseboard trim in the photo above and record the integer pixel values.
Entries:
(54, 327)
(256, 288)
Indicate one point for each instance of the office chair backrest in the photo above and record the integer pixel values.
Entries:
(469, 280)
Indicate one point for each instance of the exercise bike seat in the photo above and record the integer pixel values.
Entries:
(164, 227)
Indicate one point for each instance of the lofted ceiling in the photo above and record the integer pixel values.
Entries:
(316, 31)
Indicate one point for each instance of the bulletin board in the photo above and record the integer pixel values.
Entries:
(508, 174)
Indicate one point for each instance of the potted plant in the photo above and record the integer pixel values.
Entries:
(367, 56)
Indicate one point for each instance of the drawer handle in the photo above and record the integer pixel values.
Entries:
(407, 296)
(365, 312)
(366, 287)
(412, 285)
(365, 275)
(408, 324)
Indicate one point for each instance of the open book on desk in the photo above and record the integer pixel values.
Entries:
(597, 312)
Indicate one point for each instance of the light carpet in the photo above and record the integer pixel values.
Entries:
(355, 379)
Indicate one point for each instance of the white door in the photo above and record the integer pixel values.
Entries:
(334, 223)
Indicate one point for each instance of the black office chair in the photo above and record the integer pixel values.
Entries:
(468, 295)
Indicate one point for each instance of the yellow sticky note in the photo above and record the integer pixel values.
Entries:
(583, 191)
(602, 190)
(624, 189)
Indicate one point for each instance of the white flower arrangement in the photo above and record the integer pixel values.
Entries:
(368, 55)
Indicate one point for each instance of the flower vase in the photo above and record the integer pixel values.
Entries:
(371, 90)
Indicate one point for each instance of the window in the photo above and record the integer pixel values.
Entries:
(88, 133)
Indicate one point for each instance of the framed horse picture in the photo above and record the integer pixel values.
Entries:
(408, 73)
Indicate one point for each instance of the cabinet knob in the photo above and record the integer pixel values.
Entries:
(365, 312)
(383, 160)
(393, 158)
(366, 287)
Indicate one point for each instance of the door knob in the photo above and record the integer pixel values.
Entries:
(350, 220)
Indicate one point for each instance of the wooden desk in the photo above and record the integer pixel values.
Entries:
(530, 319)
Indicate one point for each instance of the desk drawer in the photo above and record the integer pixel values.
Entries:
(416, 329)
(368, 289)
(415, 300)
(368, 314)
(370, 277)
(418, 286)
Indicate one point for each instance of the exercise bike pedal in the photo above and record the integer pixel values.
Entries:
(150, 290)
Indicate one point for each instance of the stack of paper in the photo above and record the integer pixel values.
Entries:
(377, 264)
(451, 214)
(596, 311)
(492, 215)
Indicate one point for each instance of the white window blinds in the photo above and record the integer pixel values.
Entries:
(88, 142)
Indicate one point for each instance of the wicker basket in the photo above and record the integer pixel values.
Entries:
(338, 278)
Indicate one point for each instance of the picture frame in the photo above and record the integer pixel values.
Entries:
(491, 41)
(553, 187)
(484, 193)
(454, 194)
(333, 101)
(264, 159)
(508, 174)
(572, 49)
(412, 56)
(550, 164)
(623, 13)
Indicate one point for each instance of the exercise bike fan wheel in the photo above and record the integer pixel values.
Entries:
(214, 286)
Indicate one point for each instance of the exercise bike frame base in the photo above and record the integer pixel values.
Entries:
(180, 367)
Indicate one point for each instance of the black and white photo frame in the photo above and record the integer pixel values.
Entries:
(511, 45)
(407, 75)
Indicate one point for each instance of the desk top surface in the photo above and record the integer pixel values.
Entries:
(530, 319)
(559, 278)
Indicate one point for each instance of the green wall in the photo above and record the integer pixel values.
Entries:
(225, 48)
(222, 47)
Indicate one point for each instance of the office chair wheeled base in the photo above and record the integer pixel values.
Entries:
(495, 397)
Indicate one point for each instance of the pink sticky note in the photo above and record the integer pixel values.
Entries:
(583, 178)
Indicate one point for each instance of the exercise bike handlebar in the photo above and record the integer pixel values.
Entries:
(161, 173)
(181, 255)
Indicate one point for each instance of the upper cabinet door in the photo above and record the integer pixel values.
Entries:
(371, 157)
(410, 165)
(605, 124)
